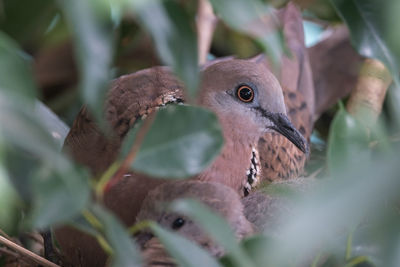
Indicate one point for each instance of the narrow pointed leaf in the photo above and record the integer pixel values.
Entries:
(216, 227)
(366, 20)
(347, 143)
(92, 31)
(59, 195)
(249, 17)
(173, 32)
(184, 252)
(15, 72)
(125, 253)
(10, 204)
(53, 182)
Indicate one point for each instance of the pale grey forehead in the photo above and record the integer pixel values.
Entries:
(229, 74)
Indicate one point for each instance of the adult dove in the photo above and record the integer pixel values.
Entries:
(247, 100)
(245, 96)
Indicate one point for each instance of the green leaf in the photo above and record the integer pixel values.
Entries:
(15, 73)
(215, 226)
(242, 15)
(54, 125)
(184, 252)
(347, 143)
(21, 127)
(372, 32)
(125, 253)
(255, 247)
(238, 13)
(173, 31)
(25, 20)
(91, 27)
(363, 195)
(10, 204)
(53, 183)
(58, 195)
(182, 141)
(366, 20)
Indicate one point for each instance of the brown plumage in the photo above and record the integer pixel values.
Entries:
(219, 198)
(130, 97)
(334, 79)
(280, 159)
(246, 128)
(134, 95)
(257, 213)
(243, 124)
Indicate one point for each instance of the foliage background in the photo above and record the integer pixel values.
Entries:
(61, 54)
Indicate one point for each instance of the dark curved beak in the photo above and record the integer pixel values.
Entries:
(283, 126)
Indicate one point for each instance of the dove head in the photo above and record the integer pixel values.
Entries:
(219, 198)
(246, 96)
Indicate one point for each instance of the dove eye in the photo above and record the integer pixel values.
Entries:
(245, 93)
(178, 223)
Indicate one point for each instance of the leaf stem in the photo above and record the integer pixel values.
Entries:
(139, 226)
(348, 245)
(316, 260)
(356, 261)
(109, 181)
(92, 220)
(95, 223)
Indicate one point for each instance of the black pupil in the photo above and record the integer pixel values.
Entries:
(178, 223)
(246, 94)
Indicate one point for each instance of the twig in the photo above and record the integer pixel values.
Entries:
(125, 165)
(27, 253)
(4, 234)
(134, 229)
(16, 257)
(356, 261)
(206, 22)
(367, 98)
(9, 252)
(95, 223)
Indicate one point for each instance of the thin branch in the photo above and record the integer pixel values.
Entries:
(206, 22)
(9, 252)
(367, 98)
(4, 234)
(24, 252)
(125, 165)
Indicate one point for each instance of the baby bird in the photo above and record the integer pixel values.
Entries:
(259, 212)
(219, 198)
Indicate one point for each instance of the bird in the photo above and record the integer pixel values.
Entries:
(259, 212)
(247, 100)
(219, 198)
(245, 96)
(266, 207)
(280, 159)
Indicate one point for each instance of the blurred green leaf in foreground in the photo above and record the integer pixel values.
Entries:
(181, 142)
